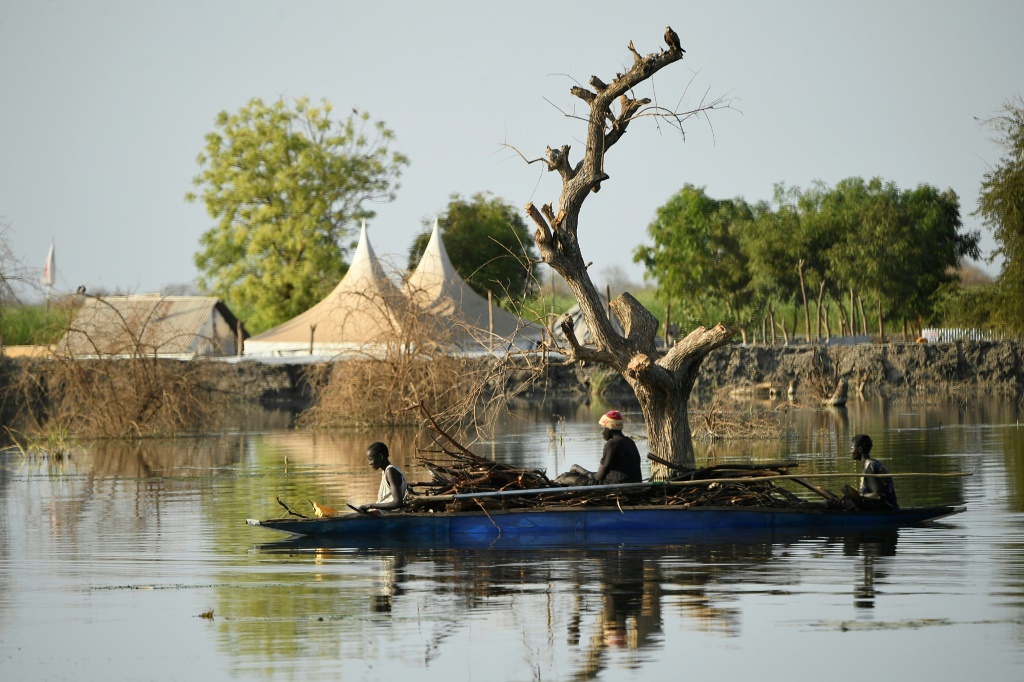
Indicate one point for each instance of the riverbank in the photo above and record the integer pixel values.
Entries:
(887, 371)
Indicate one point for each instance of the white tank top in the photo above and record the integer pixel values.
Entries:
(385, 494)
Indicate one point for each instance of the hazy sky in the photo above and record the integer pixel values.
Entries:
(105, 106)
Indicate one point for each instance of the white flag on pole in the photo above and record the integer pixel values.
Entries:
(49, 268)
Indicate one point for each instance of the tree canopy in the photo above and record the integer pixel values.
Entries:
(704, 234)
(1001, 206)
(286, 185)
(899, 247)
(488, 243)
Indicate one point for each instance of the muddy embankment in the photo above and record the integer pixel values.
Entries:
(889, 371)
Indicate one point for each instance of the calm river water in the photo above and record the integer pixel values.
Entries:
(134, 563)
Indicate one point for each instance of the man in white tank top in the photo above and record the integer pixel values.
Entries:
(393, 487)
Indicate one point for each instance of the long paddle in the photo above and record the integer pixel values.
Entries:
(666, 484)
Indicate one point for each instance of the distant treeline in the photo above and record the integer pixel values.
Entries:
(843, 260)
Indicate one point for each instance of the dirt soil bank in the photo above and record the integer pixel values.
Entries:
(888, 370)
(892, 370)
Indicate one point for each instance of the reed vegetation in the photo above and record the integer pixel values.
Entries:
(131, 394)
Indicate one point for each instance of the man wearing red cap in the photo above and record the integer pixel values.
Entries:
(620, 462)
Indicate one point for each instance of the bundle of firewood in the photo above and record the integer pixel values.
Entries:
(465, 472)
(463, 480)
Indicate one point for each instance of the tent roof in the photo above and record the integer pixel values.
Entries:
(361, 309)
(438, 288)
(142, 324)
(579, 325)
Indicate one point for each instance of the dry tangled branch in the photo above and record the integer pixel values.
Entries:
(716, 423)
(129, 393)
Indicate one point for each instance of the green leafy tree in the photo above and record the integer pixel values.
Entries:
(903, 246)
(286, 185)
(771, 244)
(1001, 206)
(488, 243)
(936, 249)
(696, 256)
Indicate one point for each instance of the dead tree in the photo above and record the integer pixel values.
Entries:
(662, 382)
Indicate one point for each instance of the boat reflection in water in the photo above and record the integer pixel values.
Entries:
(605, 596)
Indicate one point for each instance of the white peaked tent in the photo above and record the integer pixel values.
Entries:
(472, 322)
(362, 312)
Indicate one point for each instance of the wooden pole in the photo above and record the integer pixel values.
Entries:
(612, 487)
(490, 320)
(668, 324)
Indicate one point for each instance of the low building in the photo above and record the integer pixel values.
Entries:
(180, 327)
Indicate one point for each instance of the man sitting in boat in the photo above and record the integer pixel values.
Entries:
(620, 462)
(394, 489)
(874, 493)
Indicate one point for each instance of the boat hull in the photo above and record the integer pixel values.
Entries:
(608, 522)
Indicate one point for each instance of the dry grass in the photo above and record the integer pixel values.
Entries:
(422, 362)
(114, 398)
(131, 395)
(717, 423)
(378, 392)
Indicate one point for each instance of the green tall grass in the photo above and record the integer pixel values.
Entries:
(34, 325)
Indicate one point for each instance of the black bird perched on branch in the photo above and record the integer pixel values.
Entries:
(672, 39)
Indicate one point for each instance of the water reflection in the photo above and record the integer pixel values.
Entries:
(605, 602)
(81, 537)
(869, 547)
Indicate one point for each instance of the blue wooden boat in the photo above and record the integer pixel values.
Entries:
(553, 524)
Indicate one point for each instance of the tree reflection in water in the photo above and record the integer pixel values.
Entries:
(608, 601)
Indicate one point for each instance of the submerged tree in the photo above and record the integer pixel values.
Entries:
(662, 382)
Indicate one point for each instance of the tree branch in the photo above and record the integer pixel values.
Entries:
(637, 321)
(577, 351)
(691, 351)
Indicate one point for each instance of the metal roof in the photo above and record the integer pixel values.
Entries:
(146, 324)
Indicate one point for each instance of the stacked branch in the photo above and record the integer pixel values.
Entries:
(464, 481)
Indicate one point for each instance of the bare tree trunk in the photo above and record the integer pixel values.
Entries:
(662, 383)
(668, 324)
(771, 321)
(785, 335)
(807, 310)
(821, 294)
(828, 333)
(881, 323)
(863, 317)
(853, 315)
